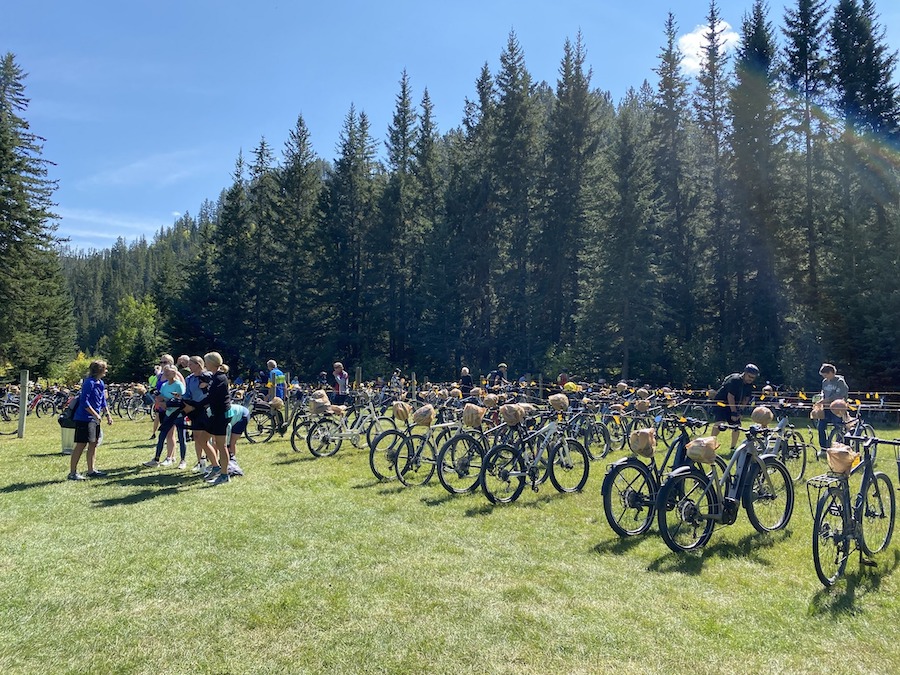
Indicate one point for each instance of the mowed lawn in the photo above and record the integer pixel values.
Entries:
(309, 565)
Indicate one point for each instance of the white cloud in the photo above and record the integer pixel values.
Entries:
(176, 214)
(159, 170)
(112, 224)
(691, 45)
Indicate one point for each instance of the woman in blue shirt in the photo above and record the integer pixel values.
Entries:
(91, 406)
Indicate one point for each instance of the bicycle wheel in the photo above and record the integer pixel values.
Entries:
(415, 463)
(378, 425)
(569, 465)
(9, 418)
(684, 511)
(260, 427)
(699, 412)
(629, 498)
(45, 407)
(324, 438)
(595, 439)
(459, 464)
(299, 434)
(769, 496)
(135, 408)
(877, 522)
(503, 476)
(617, 435)
(830, 542)
(793, 455)
(384, 451)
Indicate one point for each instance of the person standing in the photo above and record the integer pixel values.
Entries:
(834, 388)
(170, 390)
(341, 383)
(735, 392)
(497, 378)
(195, 408)
(276, 381)
(218, 397)
(466, 383)
(91, 407)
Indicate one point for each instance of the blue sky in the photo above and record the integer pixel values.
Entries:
(145, 106)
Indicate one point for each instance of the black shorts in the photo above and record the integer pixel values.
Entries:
(217, 424)
(239, 427)
(198, 419)
(87, 432)
(723, 414)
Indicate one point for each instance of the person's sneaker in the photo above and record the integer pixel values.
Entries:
(75, 476)
(152, 463)
(234, 469)
(212, 474)
(67, 451)
(96, 473)
(182, 464)
(221, 478)
(153, 435)
(168, 461)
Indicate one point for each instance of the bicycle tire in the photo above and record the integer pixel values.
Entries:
(830, 543)
(260, 427)
(569, 466)
(684, 509)
(629, 493)
(323, 438)
(617, 435)
(459, 464)
(876, 526)
(595, 439)
(416, 462)
(383, 453)
(793, 455)
(299, 434)
(503, 475)
(9, 419)
(377, 425)
(767, 511)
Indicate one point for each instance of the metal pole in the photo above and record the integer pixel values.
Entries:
(287, 396)
(23, 401)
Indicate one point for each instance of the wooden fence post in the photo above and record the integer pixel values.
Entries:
(23, 401)
(412, 385)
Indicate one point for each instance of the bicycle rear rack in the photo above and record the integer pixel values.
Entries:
(821, 483)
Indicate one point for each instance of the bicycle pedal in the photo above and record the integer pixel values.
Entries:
(868, 562)
(534, 487)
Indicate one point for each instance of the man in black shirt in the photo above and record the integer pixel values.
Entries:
(735, 391)
(497, 378)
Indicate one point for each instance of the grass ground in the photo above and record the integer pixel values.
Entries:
(311, 566)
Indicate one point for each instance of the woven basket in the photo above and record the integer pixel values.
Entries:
(559, 402)
(473, 415)
(841, 458)
(276, 403)
(424, 416)
(643, 442)
(818, 411)
(512, 414)
(762, 415)
(317, 406)
(703, 449)
(491, 401)
(642, 405)
(642, 393)
(402, 410)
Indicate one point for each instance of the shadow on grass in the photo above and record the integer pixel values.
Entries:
(396, 488)
(747, 547)
(437, 501)
(294, 458)
(19, 487)
(370, 484)
(135, 497)
(842, 598)
(618, 545)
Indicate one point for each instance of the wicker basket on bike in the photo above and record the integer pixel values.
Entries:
(318, 402)
(491, 401)
(473, 415)
(512, 414)
(762, 415)
(402, 410)
(642, 406)
(703, 449)
(643, 442)
(840, 409)
(642, 393)
(559, 402)
(841, 458)
(276, 403)
(424, 416)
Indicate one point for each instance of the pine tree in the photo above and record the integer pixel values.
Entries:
(36, 323)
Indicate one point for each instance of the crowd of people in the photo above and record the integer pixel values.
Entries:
(193, 394)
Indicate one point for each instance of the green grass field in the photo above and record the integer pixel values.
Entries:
(311, 566)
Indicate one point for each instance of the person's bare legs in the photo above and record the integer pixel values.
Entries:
(76, 456)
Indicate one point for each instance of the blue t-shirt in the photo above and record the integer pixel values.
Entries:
(236, 412)
(276, 379)
(194, 391)
(168, 390)
(93, 393)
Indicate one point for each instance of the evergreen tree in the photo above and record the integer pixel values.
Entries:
(36, 324)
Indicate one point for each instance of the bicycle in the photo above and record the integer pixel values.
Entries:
(416, 458)
(868, 524)
(631, 486)
(507, 466)
(788, 445)
(692, 502)
(326, 434)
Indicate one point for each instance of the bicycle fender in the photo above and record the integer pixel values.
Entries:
(771, 455)
(624, 462)
(680, 471)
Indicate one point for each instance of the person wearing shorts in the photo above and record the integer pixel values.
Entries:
(238, 417)
(218, 398)
(91, 406)
(735, 392)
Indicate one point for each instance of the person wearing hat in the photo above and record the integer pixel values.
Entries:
(834, 388)
(497, 378)
(736, 391)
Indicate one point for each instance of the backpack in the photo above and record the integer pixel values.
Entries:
(67, 418)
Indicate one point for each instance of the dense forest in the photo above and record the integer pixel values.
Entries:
(750, 213)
